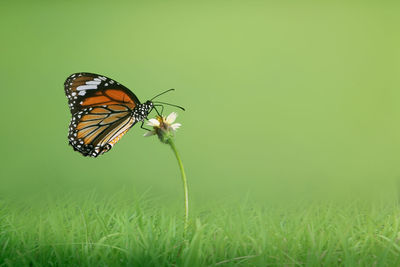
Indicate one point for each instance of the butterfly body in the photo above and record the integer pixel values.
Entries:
(102, 112)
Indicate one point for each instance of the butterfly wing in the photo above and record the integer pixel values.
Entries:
(89, 89)
(101, 112)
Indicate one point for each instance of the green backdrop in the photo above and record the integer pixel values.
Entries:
(285, 99)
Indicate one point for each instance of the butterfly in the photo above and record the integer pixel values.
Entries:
(103, 110)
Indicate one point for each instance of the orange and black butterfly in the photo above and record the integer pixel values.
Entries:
(103, 110)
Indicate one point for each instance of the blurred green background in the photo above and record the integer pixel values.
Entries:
(285, 99)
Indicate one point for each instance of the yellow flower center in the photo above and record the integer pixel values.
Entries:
(162, 125)
(160, 119)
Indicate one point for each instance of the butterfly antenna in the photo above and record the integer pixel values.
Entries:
(158, 102)
(172, 89)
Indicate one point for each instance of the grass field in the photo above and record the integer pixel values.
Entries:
(127, 231)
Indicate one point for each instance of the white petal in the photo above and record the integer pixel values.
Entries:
(171, 118)
(149, 133)
(175, 126)
(153, 122)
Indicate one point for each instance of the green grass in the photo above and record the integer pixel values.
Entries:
(123, 231)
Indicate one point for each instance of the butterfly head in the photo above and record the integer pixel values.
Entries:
(148, 107)
(149, 104)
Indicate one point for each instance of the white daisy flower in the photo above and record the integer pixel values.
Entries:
(163, 127)
(153, 122)
(170, 120)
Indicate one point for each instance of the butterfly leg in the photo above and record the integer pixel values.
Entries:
(162, 110)
(141, 126)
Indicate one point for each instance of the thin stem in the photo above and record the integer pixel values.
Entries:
(185, 187)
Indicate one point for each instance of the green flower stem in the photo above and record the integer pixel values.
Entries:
(185, 187)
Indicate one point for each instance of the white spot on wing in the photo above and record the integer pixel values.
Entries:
(86, 87)
(93, 82)
(82, 93)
